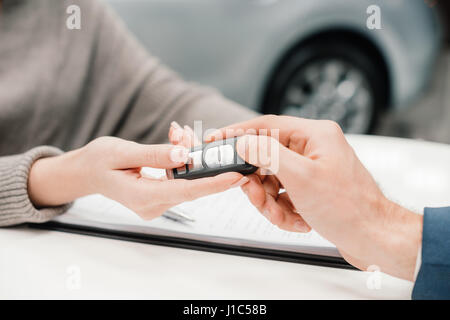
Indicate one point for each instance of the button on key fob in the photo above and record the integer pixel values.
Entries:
(211, 159)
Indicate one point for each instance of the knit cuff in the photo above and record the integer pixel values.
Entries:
(15, 204)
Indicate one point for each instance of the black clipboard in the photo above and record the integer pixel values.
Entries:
(176, 242)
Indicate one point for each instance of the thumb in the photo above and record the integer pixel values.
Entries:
(268, 153)
(186, 190)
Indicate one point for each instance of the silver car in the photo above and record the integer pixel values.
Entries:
(308, 58)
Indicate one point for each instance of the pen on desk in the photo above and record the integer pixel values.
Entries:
(177, 216)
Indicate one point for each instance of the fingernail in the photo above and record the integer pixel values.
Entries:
(177, 135)
(187, 128)
(241, 146)
(299, 226)
(241, 182)
(212, 135)
(266, 213)
(179, 154)
(175, 125)
(190, 133)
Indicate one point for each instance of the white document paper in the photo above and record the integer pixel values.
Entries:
(226, 218)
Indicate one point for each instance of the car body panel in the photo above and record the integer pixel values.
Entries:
(234, 45)
(412, 173)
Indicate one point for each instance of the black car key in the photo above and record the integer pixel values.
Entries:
(212, 159)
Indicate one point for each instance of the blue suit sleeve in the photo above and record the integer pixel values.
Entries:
(433, 280)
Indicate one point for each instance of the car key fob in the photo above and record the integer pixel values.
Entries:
(212, 159)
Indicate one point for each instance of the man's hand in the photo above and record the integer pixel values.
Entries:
(111, 166)
(328, 189)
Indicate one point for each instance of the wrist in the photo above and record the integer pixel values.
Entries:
(400, 238)
(55, 181)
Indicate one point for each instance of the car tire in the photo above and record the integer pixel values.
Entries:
(322, 52)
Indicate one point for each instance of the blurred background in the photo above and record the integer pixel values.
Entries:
(311, 58)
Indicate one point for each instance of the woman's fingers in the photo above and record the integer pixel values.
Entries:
(133, 155)
(147, 196)
(191, 137)
(180, 190)
(117, 154)
(182, 136)
(175, 133)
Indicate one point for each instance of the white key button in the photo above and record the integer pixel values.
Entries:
(181, 170)
(195, 160)
(226, 155)
(212, 157)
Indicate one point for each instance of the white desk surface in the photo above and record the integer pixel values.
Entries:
(36, 264)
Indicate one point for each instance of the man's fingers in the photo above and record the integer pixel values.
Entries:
(279, 212)
(271, 185)
(292, 132)
(269, 125)
(292, 219)
(358, 263)
(278, 209)
(255, 191)
(267, 153)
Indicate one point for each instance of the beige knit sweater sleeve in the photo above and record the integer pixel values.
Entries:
(15, 204)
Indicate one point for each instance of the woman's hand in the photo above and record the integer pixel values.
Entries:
(183, 136)
(328, 189)
(111, 166)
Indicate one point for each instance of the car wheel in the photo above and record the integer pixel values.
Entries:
(333, 80)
